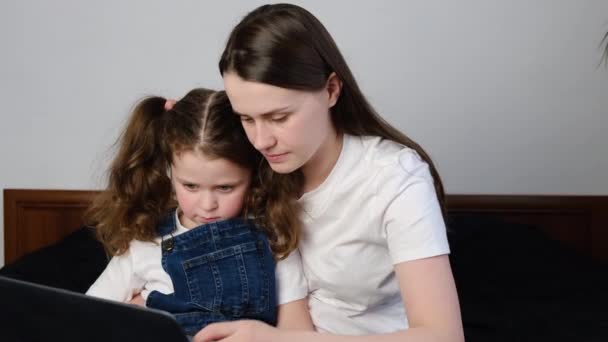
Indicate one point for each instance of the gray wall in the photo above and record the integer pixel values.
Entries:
(505, 95)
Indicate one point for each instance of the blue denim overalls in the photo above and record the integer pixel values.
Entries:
(221, 271)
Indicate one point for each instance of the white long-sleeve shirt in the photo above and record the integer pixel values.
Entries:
(139, 271)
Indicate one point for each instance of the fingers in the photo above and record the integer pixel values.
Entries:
(169, 104)
(138, 300)
(216, 332)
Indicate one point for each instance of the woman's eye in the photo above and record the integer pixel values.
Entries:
(279, 118)
(246, 119)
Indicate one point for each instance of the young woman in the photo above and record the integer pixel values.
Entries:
(373, 245)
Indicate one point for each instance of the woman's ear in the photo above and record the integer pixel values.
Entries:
(334, 88)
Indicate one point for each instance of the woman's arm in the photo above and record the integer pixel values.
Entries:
(429, 293)
(292, 294)
(295, 316)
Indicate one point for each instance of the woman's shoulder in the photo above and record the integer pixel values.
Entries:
(400, 175)
(390, 158)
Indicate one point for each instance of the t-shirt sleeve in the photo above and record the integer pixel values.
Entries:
(290, 280)
(413, 220)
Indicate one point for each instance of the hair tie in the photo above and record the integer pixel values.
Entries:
(169, 103)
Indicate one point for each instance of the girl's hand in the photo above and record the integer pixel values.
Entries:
(237, 331)
(137, 300)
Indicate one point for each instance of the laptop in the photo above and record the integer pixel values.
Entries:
(32, 312)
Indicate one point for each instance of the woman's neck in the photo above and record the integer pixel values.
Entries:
(320, 165)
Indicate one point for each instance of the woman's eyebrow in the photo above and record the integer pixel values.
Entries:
(268, 113)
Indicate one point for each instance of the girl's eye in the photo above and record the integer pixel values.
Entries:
(279, 118)
(225, 188)
(191, 187)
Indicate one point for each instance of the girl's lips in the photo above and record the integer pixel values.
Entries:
(210, 219)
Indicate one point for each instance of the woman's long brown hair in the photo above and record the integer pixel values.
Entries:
(286, 46)
(139, 191)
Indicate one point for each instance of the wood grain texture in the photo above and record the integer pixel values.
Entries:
(36, 218)
(579, 221)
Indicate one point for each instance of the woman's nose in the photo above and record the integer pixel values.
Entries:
(263, 139)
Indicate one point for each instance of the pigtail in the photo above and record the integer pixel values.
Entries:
(139, 189)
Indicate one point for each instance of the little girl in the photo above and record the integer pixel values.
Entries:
(176, 216)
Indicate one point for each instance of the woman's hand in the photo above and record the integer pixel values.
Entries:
(237, 331)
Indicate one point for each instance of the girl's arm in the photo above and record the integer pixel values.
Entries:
(429, 296)
(118, 281)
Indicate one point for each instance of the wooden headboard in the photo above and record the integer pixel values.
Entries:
(37, 218)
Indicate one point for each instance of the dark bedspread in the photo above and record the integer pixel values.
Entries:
(514, 284)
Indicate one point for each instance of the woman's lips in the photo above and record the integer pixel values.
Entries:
(276, 158)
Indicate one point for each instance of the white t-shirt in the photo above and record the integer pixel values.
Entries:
(139, 270)
(377, 208)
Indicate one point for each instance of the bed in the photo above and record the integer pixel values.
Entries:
(36, 218)
(526, 267)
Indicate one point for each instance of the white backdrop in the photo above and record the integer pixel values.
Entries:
(506, 96)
